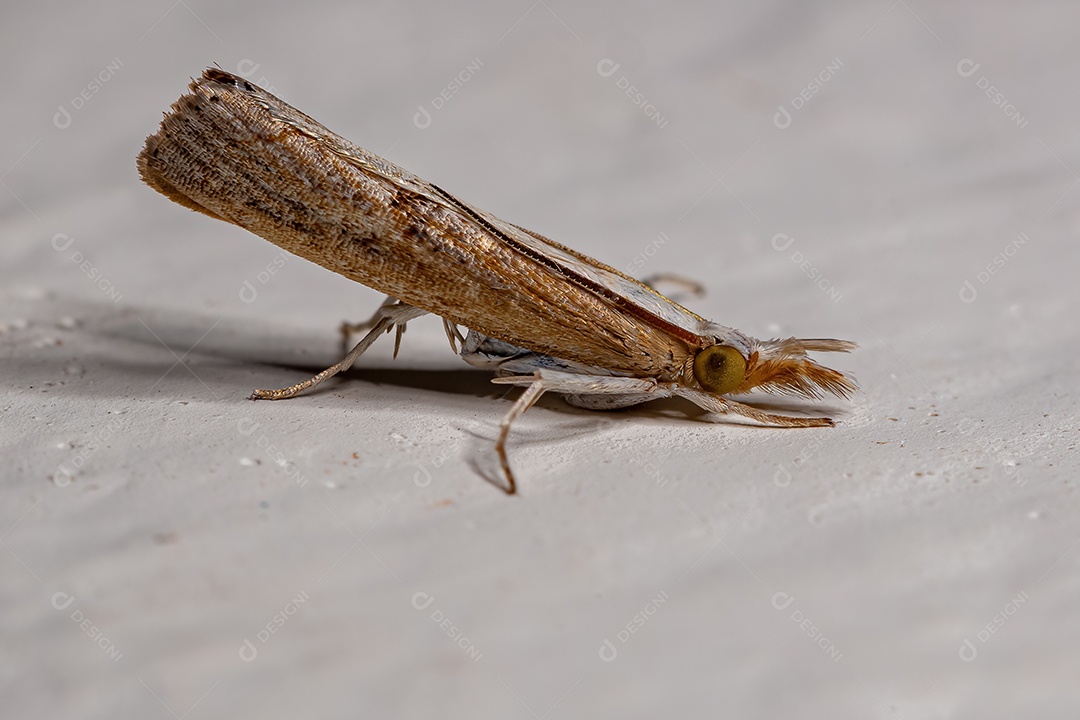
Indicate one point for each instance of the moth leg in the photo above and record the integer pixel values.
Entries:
(453, 335)
(488, 353)
(543, 381)
(523, 403)
(391, 315)
(717, 404)
(348, 328)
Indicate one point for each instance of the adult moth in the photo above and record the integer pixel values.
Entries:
(537, 313)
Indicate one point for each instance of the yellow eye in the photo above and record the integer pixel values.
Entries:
(720, 368)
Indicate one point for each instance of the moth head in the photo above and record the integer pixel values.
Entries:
(775, 366)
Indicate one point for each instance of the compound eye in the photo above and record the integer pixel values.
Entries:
(720, 368)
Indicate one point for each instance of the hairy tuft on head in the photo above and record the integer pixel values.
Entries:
(782, 367)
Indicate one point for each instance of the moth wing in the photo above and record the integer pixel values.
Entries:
(615, 280)
(602, 280)
(612, 282)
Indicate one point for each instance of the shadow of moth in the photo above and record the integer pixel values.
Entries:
(537, 313)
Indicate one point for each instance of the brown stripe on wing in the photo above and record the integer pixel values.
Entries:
(620, 302)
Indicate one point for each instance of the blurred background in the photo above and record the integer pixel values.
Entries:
(902, 174)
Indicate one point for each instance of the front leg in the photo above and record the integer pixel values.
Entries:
(567, 383)
(717, 404)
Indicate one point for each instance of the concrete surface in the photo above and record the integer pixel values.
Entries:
(900, 174)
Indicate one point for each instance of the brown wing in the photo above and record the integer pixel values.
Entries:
(234, 151)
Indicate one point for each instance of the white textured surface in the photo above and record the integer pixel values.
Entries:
(945, 499)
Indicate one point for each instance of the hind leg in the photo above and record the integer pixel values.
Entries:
(390, 316)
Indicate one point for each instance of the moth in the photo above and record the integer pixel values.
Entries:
(539, 314)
